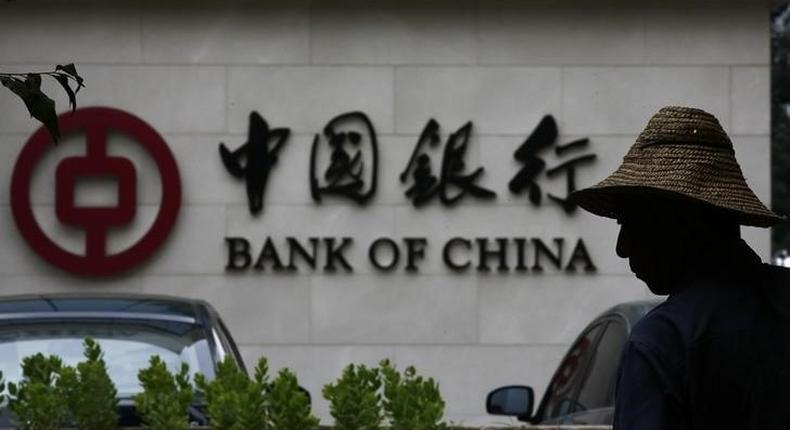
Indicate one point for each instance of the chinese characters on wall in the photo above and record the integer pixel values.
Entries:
(426, 185)
(544, 136)
(259, 155)
(344, 163)
(348, 138)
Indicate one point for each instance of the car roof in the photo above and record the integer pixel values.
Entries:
(122, 305)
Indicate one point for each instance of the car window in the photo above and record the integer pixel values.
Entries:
(127, 346)
(562, 390)
(597, 390)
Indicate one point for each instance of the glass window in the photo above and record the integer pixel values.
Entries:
(780, 129)
(127, 346)
(566, 382)
(598, 388)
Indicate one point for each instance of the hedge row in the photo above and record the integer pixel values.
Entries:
(52, 396)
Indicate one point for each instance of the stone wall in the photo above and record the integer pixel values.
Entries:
(194, 71)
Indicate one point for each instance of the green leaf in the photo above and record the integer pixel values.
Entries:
(38, 104)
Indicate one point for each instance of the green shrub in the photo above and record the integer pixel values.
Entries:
(37, 402)
(165, 398)
(89, 392)
(410, 401)
(354, 400)
(233, 400)
(236, 402)
(290, 406)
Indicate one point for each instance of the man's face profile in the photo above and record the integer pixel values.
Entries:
(666, 239)
(652, 237)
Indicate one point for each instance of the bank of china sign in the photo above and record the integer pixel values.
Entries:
(343, 166)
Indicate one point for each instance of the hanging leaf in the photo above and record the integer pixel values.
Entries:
(71, 71)
(28, 87)
(68, 68)
(64, 82)
(33, 82)
(43, 109)
(38, 104)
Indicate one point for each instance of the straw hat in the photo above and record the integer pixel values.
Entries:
(683, 152)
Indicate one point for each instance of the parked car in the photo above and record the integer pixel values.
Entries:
(582, 388)
(129, 329)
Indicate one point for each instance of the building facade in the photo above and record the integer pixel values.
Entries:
(379, 233)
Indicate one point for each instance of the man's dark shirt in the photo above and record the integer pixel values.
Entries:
(715, 355)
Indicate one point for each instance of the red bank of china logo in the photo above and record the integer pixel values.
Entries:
(96, 124)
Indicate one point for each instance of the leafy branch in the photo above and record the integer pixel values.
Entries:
(233, 400)
(354, 399)
(28, 87)
(411, 402)
(36, 402)
(90, 394)
(166, 396)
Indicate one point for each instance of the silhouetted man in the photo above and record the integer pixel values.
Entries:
(716, 353)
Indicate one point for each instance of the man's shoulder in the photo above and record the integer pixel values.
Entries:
(661, 329)
(714, 308)
(672, 326)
